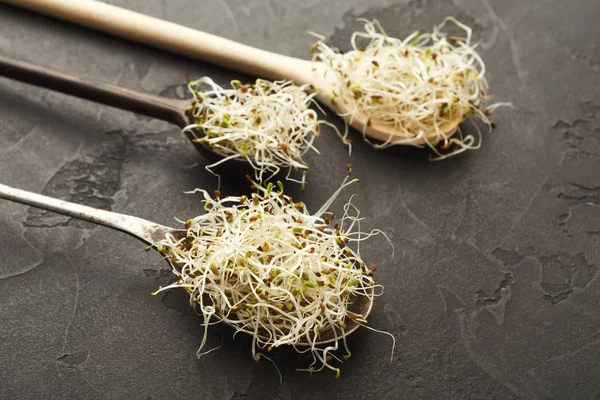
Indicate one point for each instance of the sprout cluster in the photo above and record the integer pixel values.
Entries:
(421, 84)
(269, 124)
(268, 267)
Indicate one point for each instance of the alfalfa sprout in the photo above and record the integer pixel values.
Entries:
(266, 266)
(421, 84)
(268, 124)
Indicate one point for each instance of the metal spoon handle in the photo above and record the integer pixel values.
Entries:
(148, 232)
(171, 37)
(169, 110)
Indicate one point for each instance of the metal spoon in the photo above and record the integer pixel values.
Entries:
(163, 108)
(152, 233)
(193, 43)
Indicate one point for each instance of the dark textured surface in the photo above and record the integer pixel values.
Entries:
(494, 291)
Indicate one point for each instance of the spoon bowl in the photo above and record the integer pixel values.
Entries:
(152, 233)
(324, 83)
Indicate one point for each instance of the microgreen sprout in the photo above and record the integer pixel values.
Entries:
(266, 266)
(269, 124)
(421, 85)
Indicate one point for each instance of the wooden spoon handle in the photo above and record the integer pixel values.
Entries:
(170, 36)
(169, 110)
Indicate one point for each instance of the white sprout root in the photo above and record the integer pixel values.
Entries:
(269, 124)
(267, 267)
(419, 84)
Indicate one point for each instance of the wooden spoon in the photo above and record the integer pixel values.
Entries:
(196, 44)
(151, 233)
(163, 108)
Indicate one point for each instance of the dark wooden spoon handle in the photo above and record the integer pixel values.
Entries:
(170, 110)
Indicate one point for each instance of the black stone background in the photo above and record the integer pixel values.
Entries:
(494, 290)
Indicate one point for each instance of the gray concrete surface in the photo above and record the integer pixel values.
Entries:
(494, 291)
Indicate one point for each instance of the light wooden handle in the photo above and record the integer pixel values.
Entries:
(170, 36)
